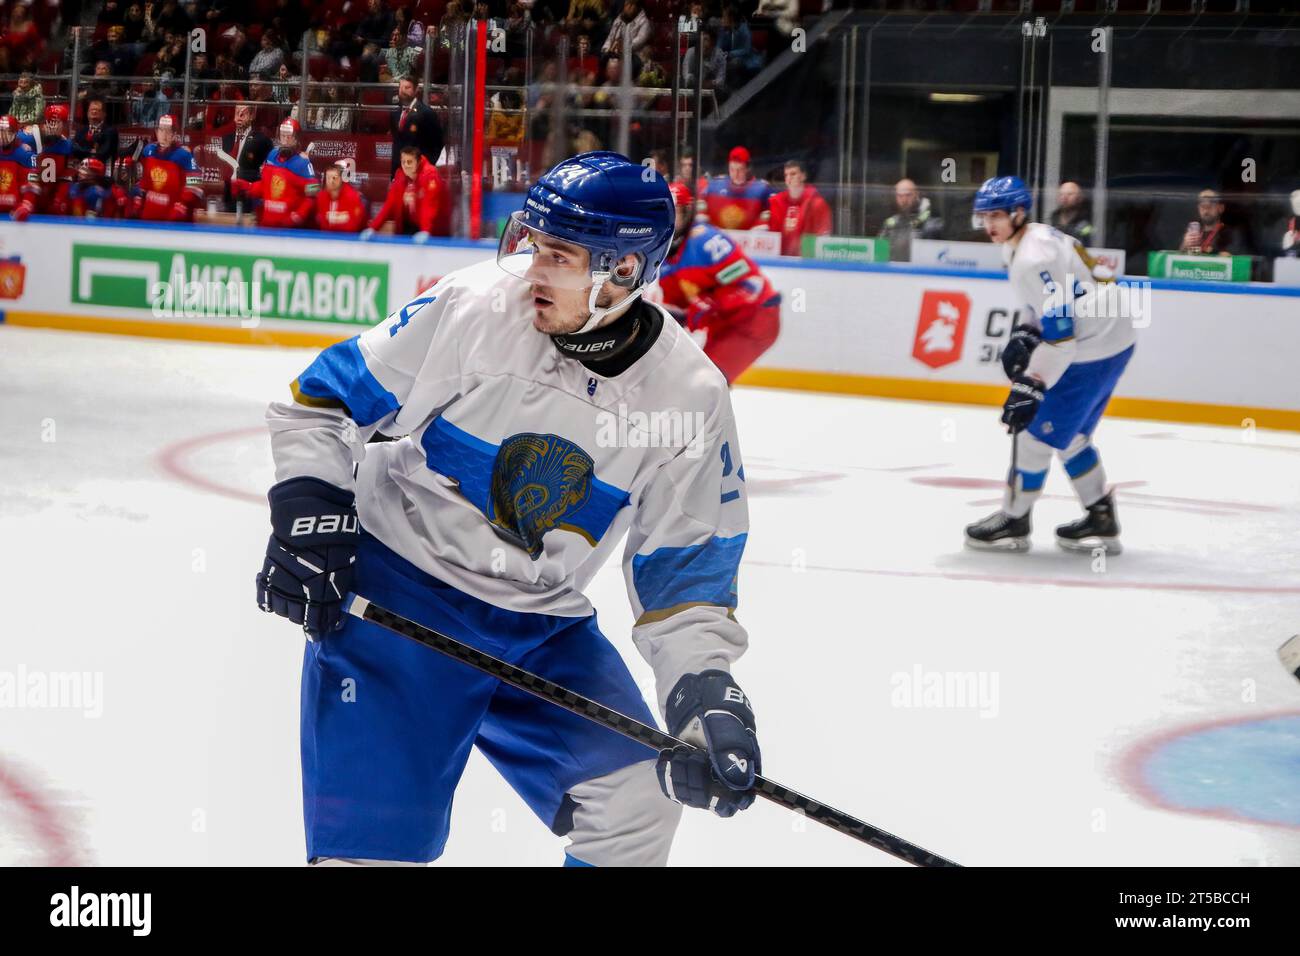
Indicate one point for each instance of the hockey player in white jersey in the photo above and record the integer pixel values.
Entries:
(1064, 359)
(542, 410)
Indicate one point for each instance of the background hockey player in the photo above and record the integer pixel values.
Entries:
(416, 198)
(55, 161)
(92, 196)
(19, 184)
(510, 489)
(339, 207)
(1064, 360)
(737, 200)
(288, 185)
(711, 285)
(171, 183)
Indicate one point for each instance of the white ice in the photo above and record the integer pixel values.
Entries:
(113, 564)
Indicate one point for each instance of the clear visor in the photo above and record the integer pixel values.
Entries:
(980, 220)
(543, 260)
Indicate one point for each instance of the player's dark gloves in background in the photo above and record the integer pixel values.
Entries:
(711, 712)
(1022, 404)
(308, 568)
(1015, 357)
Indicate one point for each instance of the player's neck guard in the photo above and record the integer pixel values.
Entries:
(602, 344)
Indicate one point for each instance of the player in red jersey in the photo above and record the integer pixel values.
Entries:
(19, 185)
(288, 186)
(92, 196)
(799, 211)
(713, 286)
(737, 200)
(339, 207)
(55, 163)
(171, 183)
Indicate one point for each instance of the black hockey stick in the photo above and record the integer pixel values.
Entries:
(652, 737)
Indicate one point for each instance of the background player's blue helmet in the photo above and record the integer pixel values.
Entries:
(603, 202)
(1003, 192)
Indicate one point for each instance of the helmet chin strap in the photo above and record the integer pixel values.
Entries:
(599, 314)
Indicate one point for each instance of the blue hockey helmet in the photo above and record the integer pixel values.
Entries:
(603, 202)
(1003, 192)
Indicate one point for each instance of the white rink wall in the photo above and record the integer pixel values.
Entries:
(1207, 352)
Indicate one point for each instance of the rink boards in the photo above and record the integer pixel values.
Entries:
(1216, 353)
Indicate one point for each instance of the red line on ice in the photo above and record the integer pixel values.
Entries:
(172, 459)
(45, 819)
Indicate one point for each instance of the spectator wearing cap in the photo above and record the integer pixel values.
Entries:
(55, 162)
(288, 185)
(414, 123)
(738, 200)
(28, 106)
(248, 146)
(96, 138)
(1209, 235)
(1071, 215)
(416, 198)
(800, 210)
(339, 207)
(911, 220)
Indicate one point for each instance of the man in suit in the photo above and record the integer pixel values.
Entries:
(414, 123)
(249, 146)
(96, 139)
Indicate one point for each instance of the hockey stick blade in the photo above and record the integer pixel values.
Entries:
(652, 737)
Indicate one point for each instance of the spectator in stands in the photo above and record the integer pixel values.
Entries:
(377, 25)
(1209, 235)
(415, 200)
(166, 17)
(248, 146)
(28, 100)
(339, 207)
(715, 65)
(269, 57)
(240, 49)
(101, 87)
(630, 32)
(96, 138)
(332, 113)
(453, 19)
(155, 100)
(117, 53)
(799, 211)
(1291, 237)
(23, 35)
(736, 44)
(133, 28)
(1072, 216)
(289, 19)
(285, 85)
(586, 16)
(659, 163)
(400, 56)
(738, 200)
(267, 114)
(652, 75)
(414, 123)
(584, 60)
(911, 220)
(206, 78)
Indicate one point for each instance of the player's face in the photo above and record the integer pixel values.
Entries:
(333, 181)
(410, 164)
(997, 225)
(560, 277)
(166, 136)
(7, 136)
(739, 172)
(794, 177)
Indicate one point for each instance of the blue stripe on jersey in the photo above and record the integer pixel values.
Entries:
(472, 463)
(699, 573)
(1082, 463)
(1032, 480)
(340, 372)
(1058, 324)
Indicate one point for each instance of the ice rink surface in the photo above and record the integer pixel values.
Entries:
(998, 709)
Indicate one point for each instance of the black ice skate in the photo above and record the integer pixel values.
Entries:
(1099, 528)
(999, 532)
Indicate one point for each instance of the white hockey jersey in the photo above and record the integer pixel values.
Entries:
(520, 469)
(1058, 293)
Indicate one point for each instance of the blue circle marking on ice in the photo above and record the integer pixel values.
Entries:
(1249, 770)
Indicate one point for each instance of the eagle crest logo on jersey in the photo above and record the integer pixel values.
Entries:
(6, 180)
(158, 176)
(536, 481)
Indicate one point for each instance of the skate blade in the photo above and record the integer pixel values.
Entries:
(1089, 545)
(1009, 545)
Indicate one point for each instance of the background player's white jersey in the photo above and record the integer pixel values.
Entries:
(1052, 275)
(521, 469)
